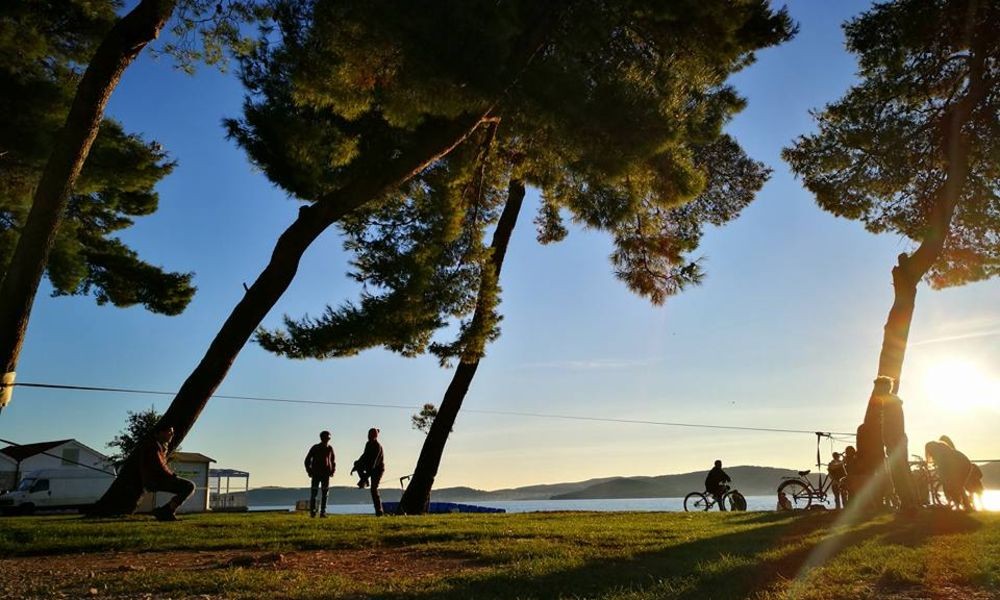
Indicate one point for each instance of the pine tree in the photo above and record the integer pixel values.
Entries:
(39, 46)
(912, 149)
(358, 98)
(58, 36)
(652, 180)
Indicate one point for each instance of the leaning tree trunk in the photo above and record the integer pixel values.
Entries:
(117, 51)
(910, 269)
(437, 139)
(418, 492)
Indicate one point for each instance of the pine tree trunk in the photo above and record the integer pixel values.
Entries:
(117, 51)
(437, 139)
(418, 492)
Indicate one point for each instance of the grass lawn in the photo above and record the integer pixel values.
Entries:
(935, 554)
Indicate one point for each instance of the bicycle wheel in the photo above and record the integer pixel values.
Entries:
(695, 502)
(734, 501)
(798, 493)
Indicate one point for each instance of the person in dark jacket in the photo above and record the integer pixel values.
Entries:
(320, 465)
(715, 483)
(372, 466)
(157, 476)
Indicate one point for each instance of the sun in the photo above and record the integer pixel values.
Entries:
(961, 384)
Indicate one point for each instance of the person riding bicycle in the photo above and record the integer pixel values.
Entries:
(715, 483)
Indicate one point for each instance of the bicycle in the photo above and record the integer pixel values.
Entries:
(800, 490)
(732, 500)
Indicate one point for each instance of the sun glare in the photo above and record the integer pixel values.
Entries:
(962, 385)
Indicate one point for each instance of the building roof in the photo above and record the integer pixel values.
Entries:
(190, 457)
(227, 473)
(24, 451)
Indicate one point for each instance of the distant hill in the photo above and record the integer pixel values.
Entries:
(991, 475)
(750, 480)
(279, 496)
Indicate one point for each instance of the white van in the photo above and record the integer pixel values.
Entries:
(56, 489)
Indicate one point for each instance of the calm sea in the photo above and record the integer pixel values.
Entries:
(990, 501)
(522, 506)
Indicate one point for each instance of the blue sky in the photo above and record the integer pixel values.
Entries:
(784, 333)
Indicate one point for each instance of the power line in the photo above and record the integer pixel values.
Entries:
(118, 390)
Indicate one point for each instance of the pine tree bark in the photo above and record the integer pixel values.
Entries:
(418, 492)
(117, 51)
(437, 139)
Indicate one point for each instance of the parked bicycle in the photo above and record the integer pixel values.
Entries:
(703, 501)
(800, 490)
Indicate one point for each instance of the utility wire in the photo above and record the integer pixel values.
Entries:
(118, 390)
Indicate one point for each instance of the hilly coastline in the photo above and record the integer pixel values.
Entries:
(750, 480)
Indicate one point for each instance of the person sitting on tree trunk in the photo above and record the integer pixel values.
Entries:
(158, 477)
(320, 466)
(372, 465)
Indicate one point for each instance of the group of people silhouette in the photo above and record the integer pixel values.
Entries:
(321, 464)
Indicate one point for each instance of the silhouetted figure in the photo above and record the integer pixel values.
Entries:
(715, 483)
(158, 477)
(372, 465)
(320, 464)
(955, 471)
(838, 474)
(849, 483)
(885, 415)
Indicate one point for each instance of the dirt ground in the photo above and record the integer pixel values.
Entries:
(18, 576)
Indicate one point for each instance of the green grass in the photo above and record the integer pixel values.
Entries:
(635, 556)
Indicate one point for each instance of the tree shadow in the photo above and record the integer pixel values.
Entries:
(731, 565)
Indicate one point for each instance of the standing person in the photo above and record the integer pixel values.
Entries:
(320, 465)
(850, 467)
(893, 438)
(838, 475)
(715, 483)
(157, 476)
(372, 464)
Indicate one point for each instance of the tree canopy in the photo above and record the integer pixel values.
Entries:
(42, 46)
(618, 123)
(882, 153)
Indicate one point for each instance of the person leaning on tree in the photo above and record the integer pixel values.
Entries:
(886, 413)
(158, 477)
(320, 465)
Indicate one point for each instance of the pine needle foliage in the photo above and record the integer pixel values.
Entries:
(618, 122)
(881, 153)
(42, 45)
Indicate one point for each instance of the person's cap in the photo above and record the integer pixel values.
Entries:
(373, 430)
(324, 434)
(836, 454)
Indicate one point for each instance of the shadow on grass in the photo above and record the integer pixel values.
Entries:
(734, 565)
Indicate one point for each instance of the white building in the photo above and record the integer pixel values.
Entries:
(15, 461)
(189, 465)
